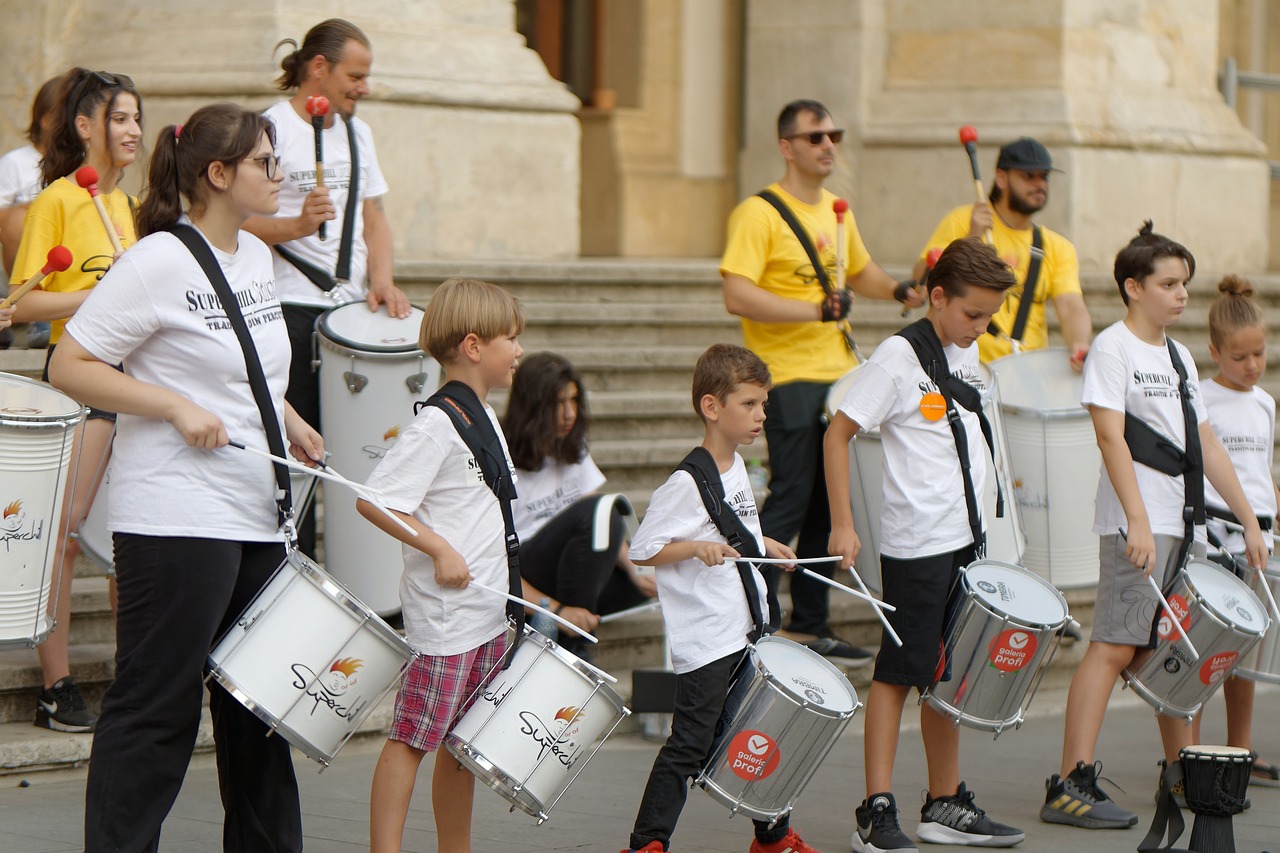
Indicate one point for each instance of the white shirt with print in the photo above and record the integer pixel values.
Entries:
(547, 492)
(1245, 423)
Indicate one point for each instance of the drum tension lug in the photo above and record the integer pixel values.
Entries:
(416, 382)
(355, 381)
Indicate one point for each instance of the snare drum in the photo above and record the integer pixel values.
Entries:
(997, 645)
(309, 659)
(1263, 664)
(1055, 463)
(534, 726)
(866, 485)
(371, 374)
(37, 435)
(793, 708)
(1223, 619)
(94, 538)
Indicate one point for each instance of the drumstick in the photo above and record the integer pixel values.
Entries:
(783, 561)
(1177, 623)
(632, 611)
(329, 474)
(518, 600)
(58, 259)
(841, 207)
(875, 602)
(318, 107)
(969, 139)
(884, 620)
(1262, 573)
(87, 177)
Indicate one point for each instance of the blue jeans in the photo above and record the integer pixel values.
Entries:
(704, 707)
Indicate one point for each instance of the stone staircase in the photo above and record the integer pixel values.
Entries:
(634, 329)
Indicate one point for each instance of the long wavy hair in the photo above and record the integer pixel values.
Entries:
(530, 421)
(81, 93)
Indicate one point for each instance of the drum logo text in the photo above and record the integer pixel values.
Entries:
(1217, 667)
(1012, 649)
(812, 691)
(12, 523)
(329, 688)
(562, 746)
(753, 755)
(377, 451)
(1181, 612)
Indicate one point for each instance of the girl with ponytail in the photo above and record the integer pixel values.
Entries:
(194, 523)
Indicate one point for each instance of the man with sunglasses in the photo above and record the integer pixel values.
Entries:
(1021, 190)
(354, 260)
(794, 318)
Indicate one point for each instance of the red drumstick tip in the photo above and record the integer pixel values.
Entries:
(58, 259)
(87, 177)
(840, 206)
(968, 134)
(317, 105)
(931, 259)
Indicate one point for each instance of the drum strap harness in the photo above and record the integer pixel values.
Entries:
(706, 476)
(313, 273)
(196, 244)
(1029, 287)
(933, 359)
(1168, 817)
(789, 217)
(1149, 447)
(466, 412)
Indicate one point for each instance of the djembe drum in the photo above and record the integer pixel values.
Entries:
(1216, 778)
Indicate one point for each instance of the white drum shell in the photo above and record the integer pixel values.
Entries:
(796, 713)
(1224, 621)
(1055, 463)
(37, 431)
(309, 659)
(1263, 663)
(371, 374)
(535, 724)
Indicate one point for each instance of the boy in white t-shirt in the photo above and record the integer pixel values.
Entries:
(1139, 516)
(704, 598)
(433, 482)
(930, 526)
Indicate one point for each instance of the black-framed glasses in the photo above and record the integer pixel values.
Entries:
(270, 164)
(815, 137)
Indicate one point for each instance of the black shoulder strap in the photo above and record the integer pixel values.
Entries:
(706, 476)
(343, 270)
(933, 359)
(466, 412)
(1029, 286)
(196, 244)
(313, 273)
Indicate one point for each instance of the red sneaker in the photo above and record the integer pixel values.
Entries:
(791, 844)
(651, 847)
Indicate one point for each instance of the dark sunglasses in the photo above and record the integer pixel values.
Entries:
(106, 78)
(816, 137)
(270, 163)
(85, 85)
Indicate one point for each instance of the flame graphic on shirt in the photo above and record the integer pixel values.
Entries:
(346, 666)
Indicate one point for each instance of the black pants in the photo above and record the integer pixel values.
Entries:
(176, 596)
(304, 396)
(560, 561)
(797, 502)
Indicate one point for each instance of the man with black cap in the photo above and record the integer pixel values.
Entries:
(1020, 190)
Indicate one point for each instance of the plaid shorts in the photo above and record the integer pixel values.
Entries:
(437, 690)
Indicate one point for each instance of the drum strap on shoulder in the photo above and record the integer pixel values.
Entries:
(933, 359)
(1029, 287)
(1149, 447)
(469, 418)
(700, 465)
(196, 244)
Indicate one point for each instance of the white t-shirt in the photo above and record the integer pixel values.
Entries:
(296, 147)
(431, 474)
(1245, 423)
(704, 607)
(924, 511)
(156, 311)
(544, 494)
(1125, 374)
(19, 176)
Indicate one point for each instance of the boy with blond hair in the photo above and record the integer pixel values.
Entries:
(433, 481)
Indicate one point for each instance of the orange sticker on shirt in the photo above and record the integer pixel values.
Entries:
(932, 406)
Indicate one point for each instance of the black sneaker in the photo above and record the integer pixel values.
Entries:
(958, 820)
(839, 652)
(62, 708)
(878, 828)
(1179, 789)
(1078, 801)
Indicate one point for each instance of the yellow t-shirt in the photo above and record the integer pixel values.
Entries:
(763, 249)
(1059, 274)
(64, 214)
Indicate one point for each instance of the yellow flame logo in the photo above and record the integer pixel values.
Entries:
(13, 508)
(346, 666)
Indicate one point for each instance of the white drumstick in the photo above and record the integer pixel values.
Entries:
(875, 602)
(1177, 623)
(884, 620)
(1262, 573)
(518, 600)
(783, 561)
(329, 474)
(631, 611)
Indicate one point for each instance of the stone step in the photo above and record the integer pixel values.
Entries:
(92, 664)
(624, 280)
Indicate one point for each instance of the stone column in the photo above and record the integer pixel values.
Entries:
(479, 144)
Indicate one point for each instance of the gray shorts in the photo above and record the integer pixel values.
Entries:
(1126, 605)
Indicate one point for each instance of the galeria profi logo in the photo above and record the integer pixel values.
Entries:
(1012, 650)
(13, 526)
(753, 755)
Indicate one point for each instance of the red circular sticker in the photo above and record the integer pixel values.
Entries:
(1216, 667)
(1012, 650)
(753, 755)
(1181, 612)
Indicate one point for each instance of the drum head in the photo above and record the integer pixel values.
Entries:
(1040, 381)
(1206, 752)
(1016, 592)
(1227, 596)
(354, 326)
(806, 674)
(23, 399)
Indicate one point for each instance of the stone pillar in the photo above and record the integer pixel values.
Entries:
(1122, 91)
(478, 143)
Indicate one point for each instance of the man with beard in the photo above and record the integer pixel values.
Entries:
(1020, 190)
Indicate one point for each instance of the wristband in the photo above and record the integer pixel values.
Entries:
(556, 610)
(903, 289)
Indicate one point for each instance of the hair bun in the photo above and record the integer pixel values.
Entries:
(1235, 285)
(1147, 229)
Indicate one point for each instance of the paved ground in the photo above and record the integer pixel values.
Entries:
(596, 814)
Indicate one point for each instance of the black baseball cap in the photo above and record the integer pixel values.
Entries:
(1025, 154)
